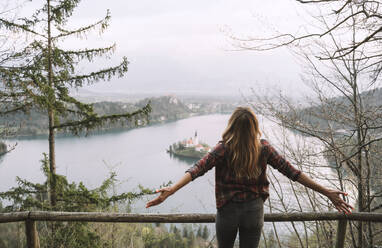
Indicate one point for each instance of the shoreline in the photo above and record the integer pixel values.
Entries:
(106, 131)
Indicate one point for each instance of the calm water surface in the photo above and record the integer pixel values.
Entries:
(137, 156)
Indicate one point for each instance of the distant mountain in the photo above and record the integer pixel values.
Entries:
(164, 109)
(186, 97)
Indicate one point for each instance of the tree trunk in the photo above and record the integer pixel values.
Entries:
(52, 161)
(52, 157)
(51, 116)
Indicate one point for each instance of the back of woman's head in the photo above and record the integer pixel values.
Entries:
(242, 139)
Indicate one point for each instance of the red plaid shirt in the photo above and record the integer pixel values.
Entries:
(227, 187)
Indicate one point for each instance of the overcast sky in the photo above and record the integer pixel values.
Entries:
(181, 46)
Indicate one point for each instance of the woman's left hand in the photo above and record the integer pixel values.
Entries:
(164, 193)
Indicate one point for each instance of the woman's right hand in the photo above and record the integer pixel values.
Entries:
(338, 202)
(164, 193)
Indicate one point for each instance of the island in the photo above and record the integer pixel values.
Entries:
(189, 148)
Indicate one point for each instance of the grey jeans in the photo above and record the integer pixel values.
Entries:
(245, 217)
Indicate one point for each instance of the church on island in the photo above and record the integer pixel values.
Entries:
(191, 147)
(194, 142)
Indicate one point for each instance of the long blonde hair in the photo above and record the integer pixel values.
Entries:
(242, 139)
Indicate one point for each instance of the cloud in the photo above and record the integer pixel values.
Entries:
(178, 45)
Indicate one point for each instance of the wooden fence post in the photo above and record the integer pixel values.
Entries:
(341, 233)
(32, 235)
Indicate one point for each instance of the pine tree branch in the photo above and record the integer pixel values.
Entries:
(16, 109)
(83, 108)
(107, 74)
(89, 54)
(80, 31)
(11, 95)
(94, 120)
(18, 27)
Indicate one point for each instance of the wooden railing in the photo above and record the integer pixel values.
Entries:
(31, 217)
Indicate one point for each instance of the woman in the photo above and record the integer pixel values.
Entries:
(241, 185)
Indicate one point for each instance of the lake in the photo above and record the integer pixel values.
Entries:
(137, 156)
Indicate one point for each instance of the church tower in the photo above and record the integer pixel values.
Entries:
(196, 140)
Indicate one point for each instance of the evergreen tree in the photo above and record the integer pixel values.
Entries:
(191, 239)
(206, 233)
(9, 103)
(42, 73)
(185, 232)
(271, 240)
(70, 197)
(171, 230)
(199, 233)
(177, 233)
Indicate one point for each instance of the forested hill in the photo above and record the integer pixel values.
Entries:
(333, 109)
(164, 109)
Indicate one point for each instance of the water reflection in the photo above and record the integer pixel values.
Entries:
(183, 160)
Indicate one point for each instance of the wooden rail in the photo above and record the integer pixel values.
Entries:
(31, 217)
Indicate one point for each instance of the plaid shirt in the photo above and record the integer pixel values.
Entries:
(227, 187)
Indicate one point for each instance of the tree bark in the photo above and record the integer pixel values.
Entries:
(52, 152)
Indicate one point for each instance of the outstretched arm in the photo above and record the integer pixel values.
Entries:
(281, 164)
(167, 191)
(333, 195)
